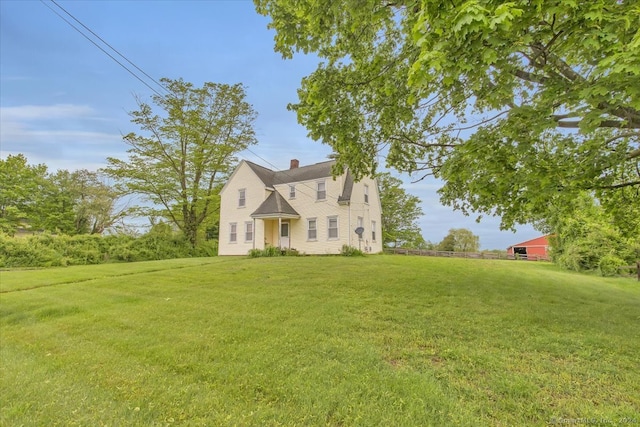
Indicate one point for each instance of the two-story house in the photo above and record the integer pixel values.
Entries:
(304, 208)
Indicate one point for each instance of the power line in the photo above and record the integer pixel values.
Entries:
(284, 172)
(142, 71)
(102, 49)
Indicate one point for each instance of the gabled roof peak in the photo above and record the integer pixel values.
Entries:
(302, 173)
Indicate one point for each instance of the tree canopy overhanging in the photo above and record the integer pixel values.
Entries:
(514, 105)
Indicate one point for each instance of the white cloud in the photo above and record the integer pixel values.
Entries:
(44, 112)
(58, 134)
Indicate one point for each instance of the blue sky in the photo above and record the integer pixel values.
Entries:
(64, 103)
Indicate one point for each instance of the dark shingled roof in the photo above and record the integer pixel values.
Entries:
(265, 175)
(275, 205)
(304, 173)
(348, 188)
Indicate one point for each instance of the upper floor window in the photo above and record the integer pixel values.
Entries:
(332, 227)
(242, 198)
(373, 231)
(292, 191)
(321, 191)
(233, 232)
(248, 231)
(366, 193)
(312, 229)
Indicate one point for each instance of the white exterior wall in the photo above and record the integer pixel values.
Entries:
(369, 212)
(307, 206)
(242, 178)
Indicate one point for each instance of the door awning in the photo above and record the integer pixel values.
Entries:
(275, 206)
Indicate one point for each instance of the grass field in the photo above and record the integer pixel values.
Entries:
(380, 340)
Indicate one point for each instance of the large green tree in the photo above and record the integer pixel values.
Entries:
(460, 240)
(81, 202)
(186, 150)
(588, 237)
(21, 189)
(517, 105)
(78, 202)
(400, 213)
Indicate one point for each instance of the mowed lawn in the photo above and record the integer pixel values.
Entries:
(379, 340)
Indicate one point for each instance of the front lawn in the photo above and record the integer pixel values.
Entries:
(379, 340)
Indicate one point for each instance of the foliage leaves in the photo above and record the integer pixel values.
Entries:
(78, 202)
(183, 155)
(515, 105)
(400, 212)
(590, 239)
(460, 240)
(47, 250)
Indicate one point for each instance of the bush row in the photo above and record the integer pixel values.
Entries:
(47, 250)
(271, 251)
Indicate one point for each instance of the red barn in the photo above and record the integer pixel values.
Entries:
(537, 248)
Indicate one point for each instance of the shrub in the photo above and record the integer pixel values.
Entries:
(610, 265)
(28, 252)
(350, 251)
(47, 250)
(272, 251)
(290, 252)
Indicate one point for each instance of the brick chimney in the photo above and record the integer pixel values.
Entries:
(295, 163)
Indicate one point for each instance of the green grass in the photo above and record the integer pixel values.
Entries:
(379, 340)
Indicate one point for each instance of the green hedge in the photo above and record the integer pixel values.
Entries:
(47, 250)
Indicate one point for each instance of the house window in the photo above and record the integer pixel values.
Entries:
(373, 231)
(332, 227)
(322, 191)
(366, 193)
(312, 229)
(248, 231)
(242, 198)
(292, 191)
(233, 232)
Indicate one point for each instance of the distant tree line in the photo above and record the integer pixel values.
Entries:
(78, 202)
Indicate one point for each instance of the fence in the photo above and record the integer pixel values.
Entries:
(635, 269)
(478, 255)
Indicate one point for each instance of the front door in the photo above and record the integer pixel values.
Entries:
(284, 235)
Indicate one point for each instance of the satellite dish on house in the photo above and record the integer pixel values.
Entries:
(359, 231)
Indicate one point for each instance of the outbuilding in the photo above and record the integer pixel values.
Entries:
(537, 248)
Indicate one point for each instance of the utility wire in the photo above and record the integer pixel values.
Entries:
(101, 48)
(284, 172)
(111, 47)
(145, 74)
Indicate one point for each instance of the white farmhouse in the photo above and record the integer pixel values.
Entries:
(302, 208)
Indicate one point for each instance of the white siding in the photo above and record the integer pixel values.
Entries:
(306, 204)
(242, 178)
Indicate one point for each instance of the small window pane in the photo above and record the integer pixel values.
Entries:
(248, 235)
(333, 228)
(322, 191)
(233, 233)
(312, 232)
(292, 191)
(242, 200)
